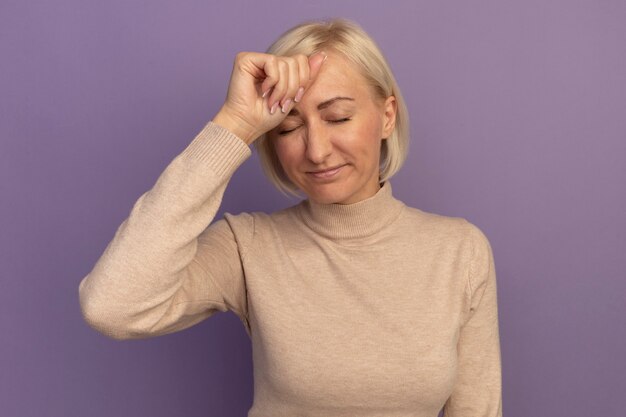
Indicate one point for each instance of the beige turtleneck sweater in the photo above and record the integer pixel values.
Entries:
(368, 309)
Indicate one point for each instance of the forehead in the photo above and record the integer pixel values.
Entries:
(337, 77)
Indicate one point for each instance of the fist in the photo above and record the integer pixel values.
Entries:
(263, 89)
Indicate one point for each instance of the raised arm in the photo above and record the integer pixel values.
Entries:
(167, 267)
(478, 389)
(146, 282)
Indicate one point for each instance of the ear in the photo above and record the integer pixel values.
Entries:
(390, 108)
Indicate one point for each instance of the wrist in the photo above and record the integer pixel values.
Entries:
(235, 125)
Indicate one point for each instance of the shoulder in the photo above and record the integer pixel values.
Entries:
(256, 221)
(435, 224)
(448, 230)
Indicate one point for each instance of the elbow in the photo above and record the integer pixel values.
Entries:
(100, 316)
(98, 320)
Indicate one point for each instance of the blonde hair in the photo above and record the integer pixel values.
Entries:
(349, 39)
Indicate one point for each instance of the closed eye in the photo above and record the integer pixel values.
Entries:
(284, 132)
(345, 119)
(287, 131)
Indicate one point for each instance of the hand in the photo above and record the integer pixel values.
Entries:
(263, 89)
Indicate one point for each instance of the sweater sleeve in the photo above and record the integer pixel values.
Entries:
(478, 389)
(167, 267)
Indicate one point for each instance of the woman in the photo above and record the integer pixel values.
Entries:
(356, 304)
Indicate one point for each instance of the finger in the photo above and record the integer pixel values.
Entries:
(271, 73)
(266, 92)
(315, 62)
(280, 87)
(292, 85)
(303, 68)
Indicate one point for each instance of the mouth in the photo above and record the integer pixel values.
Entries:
(327, 173)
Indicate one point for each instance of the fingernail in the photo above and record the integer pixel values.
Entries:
(285, 104)
(265, 92)
(273, 109)
(299, 94)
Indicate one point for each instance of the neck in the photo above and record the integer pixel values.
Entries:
(352, 221)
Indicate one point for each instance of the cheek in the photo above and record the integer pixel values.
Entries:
(366, 137)
(287, 152)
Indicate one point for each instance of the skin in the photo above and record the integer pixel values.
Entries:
(319, 113)
(338, 123)
(260, 84)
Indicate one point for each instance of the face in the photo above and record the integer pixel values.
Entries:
(329, 144)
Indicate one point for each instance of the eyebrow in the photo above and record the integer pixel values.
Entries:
(323, 104)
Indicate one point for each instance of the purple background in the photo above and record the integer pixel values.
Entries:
(518, 115)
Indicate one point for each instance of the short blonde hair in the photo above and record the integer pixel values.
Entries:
(349, 39)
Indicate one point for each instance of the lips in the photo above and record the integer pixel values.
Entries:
(328, 173)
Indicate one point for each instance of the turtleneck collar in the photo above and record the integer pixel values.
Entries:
(351, 221)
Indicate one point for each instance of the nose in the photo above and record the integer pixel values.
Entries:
(318, 144)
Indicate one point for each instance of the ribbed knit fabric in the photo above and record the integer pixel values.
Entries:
(368, 309)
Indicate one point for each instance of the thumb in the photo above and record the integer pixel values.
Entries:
(315, 63)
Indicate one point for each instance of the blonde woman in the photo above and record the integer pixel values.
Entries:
(356, 304)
